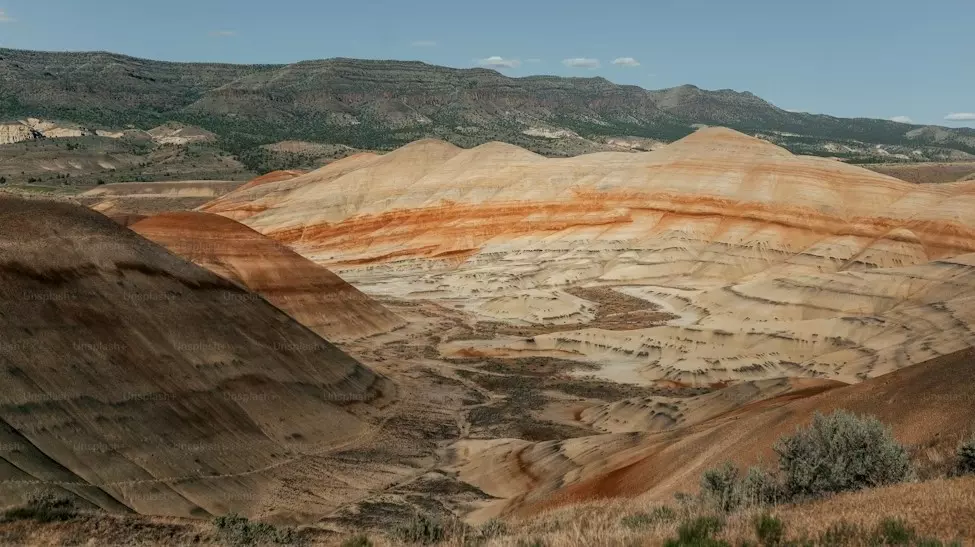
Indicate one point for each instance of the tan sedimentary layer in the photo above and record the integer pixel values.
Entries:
(775, 265)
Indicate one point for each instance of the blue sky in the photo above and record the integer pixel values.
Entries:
(873, 58)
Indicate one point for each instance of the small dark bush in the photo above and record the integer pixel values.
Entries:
(361, 540)
(493, 528)
(770, 530)
(721, 487)
(43, 508)
(894, 532)
(966, 457)
(841, 452)
(238, 530)
(423, 530)
(698, 533)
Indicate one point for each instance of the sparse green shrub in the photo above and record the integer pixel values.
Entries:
(894, 532)
(698, 533)
(43, 508)
(360, 540)
(840, 452)
(658, 515)
(423, 530)
(721, 487)
(966, 457)
(761, 487)
(238, 530)
(770, 530)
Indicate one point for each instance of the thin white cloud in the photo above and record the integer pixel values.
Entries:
(961, 117)
(626, 61)
(581, 62)
(424, 43)
(224, 33)
(496, 61)
(902, 119)
(4, 18)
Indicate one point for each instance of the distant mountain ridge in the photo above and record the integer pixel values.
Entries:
(384, 104)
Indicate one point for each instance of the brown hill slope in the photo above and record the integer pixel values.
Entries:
(930, 407)
(139, 381)
(311, 294)
(129, 199)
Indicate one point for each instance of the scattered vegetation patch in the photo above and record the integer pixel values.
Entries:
(422, 530)
(769, 530)
(841, 452)
(360, 540)
(966, 457)
(836, 453)
(43, 508)
(238, 530)
(699, 532)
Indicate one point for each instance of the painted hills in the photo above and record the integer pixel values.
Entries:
(516, 334)
(771, 264)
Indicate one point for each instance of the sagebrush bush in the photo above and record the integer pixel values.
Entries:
(725, 489)
(761, 487)
(770, 530)
(423, 530)
(841, 452)
(43, 508)
(721, 487)
(698, 532)
(238, 530)
(360, 540)
(966, 457)
(893, 532)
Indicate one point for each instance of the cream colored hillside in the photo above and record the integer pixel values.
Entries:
(772, 264)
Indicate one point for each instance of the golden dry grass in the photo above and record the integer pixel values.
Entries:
(942, 509)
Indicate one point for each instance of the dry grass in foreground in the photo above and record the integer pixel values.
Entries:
(938, 512)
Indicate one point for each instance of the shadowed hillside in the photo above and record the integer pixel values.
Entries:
(134, 380)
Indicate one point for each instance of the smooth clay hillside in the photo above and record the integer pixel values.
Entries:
(311, 294)
(770, 264)
(136, 381)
